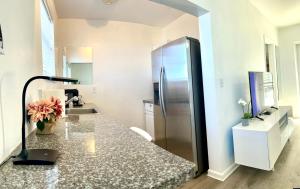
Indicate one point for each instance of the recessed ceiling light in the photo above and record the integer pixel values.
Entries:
(109, 2)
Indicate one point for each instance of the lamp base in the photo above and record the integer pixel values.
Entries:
(36, 157)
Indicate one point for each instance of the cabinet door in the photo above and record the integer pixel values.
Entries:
(292, 123)
(274, 144)
(148, 107)
(177, 93)
(251, 149)
(149, 119)
(150, 124)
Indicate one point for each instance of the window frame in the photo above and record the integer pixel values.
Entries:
(47, 40)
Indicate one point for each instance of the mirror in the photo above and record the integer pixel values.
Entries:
(77, 62)
(271, 64)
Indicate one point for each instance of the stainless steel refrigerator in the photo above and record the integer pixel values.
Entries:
(179, 115)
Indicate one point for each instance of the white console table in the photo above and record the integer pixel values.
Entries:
(260, 144)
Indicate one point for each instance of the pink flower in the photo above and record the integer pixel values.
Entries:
(57, 107)
(43, 110)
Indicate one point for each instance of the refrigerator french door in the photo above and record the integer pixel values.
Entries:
(179, 115)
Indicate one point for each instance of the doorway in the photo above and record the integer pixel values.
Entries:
(272, 67)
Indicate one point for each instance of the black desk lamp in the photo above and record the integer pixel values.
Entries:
(36, 156)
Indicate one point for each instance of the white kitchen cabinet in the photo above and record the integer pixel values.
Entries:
(260, 144)
(149, 119)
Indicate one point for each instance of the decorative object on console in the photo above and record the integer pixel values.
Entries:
(246, 112)
(45, 113)
(36, 156)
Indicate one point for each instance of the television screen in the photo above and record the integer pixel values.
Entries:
(262, 92)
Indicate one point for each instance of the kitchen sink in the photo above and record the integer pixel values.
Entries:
(77, 111)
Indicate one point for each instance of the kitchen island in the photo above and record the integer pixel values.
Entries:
(97, 152)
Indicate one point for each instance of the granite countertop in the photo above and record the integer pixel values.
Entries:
(97, 152)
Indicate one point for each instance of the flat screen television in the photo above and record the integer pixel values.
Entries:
(261, 92)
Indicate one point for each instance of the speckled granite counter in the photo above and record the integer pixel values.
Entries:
(96, 152)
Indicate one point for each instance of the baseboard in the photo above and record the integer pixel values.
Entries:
(222, 175)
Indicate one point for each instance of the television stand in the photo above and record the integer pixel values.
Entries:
(260, 144)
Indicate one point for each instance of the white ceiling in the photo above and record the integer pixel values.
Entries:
(279, 12)
(137, 11)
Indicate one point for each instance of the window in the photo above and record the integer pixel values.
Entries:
(47, 29)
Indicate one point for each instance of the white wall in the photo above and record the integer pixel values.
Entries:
(232, 37)
(289, 84)
(19, 20)
(238, 47)
(122, 63)
(186, 25)
(22, 60)
(79, 55)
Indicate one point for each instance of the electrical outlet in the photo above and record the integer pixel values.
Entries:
(94, 90)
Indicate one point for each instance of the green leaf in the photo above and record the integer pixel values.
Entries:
(40, 125)
(247, 116)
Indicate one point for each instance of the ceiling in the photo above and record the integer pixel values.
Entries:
(136, 11)
(279, 12)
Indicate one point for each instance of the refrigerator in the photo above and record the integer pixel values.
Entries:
(179, 114)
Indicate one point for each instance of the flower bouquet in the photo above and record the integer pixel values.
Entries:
(45, 113)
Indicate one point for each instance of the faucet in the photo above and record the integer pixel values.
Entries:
(80, 101)
(70, 102)
(76, 99)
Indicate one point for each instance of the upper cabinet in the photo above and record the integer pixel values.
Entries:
(79, 55)
(77, 62)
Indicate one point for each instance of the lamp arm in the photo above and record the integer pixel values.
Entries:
(24, 113)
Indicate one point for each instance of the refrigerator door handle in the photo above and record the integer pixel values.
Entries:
(160, 92)
(162, 95)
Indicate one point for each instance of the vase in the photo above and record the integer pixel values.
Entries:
(245, 122)
(48, 129)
